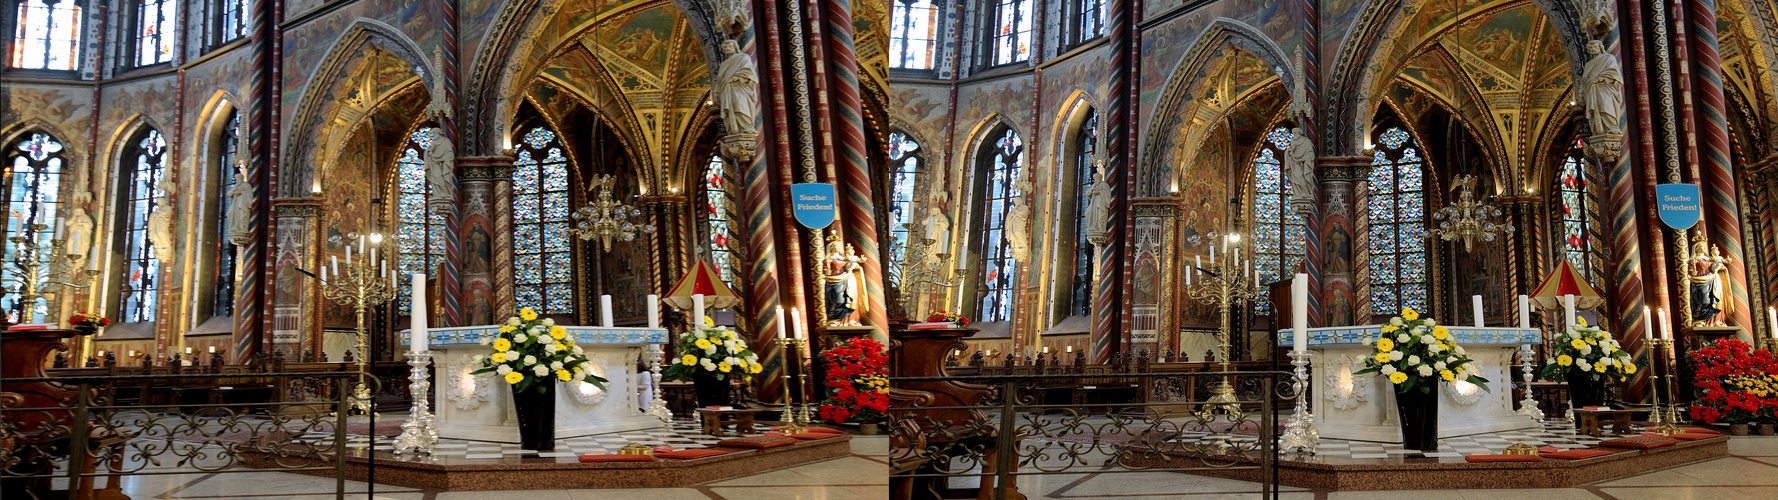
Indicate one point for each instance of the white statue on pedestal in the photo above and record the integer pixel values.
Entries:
(160, 225)
(737, 90)
(1299, 167)
(1018, 228)
(240, 211)
(1098, 214)
(1602, 90)
(441, 169)
(80, 225)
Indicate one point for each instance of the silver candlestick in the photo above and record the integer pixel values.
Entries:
(418, 433)
(1300, 434)
(657, 405)
(1528, 406)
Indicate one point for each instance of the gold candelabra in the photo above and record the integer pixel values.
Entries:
(364, 282)
(605, 219)
(1467, 218)
(796, 416)
(38, 271)
(1668, 424)
(1224, 286)
(920, 275)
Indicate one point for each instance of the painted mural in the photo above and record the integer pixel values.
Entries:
(924, 110)
(67, 108)
(349, 186)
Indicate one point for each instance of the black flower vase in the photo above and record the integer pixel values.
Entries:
(711, 391)
(537, 417)
(1583, 391)
(86, 329)
(1419, 419)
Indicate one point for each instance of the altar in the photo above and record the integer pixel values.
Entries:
(1362, 407)
(479, 407)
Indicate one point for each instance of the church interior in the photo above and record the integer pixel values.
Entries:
(911, 249)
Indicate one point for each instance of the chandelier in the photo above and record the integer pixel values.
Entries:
(606, 219)
(1468, 218)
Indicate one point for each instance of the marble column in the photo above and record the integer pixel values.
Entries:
(296, 301)
(486, 233)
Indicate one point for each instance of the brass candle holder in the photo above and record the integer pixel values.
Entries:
(1668, 424)
(360, 285)
(1224, 286)
(796, 416)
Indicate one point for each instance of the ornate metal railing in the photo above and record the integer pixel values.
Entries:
(85, 435)
(999, 427)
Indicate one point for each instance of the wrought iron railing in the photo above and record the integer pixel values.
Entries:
(87, 435)
(1020, 425)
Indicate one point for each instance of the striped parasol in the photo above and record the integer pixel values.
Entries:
(702, 279)
(1564, 280)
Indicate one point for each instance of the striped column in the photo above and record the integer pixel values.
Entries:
(450, 272)
(481, 178)
(1309, 65)
(252, 326)
(1718, 179)
(765, 195)
(847, 118)
(1110, 311)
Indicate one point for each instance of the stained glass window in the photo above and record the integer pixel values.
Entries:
(419, 233)
(1080, 287)
(904, 157)
(543, 266)
(719, 206)
(999, 171)
(913, 31)
(1574, 208)
(155, 31)
(1089, 21)
(1397, 225)
(146, 162)
(1279, 235)
(228, 21)
(222, 302)
(1011, 35)
(48, 35)
(36, 162)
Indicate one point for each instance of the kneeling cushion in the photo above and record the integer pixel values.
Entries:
(760, 442)
(1640, 442)
(690, 453)
(1576, 454)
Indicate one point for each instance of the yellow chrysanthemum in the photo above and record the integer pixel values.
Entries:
(1564, 360)
(499, 357)
(1577, 343)
(724, 367)
(756, 368)
(1408, 313)
(703, 343)
(1385, 345)
(1439, 332)
(514, 377)
(1382, 357)
(565, 375)
(1447, 375)
(1398, 377)
(502, 345)
(688, 360)
(557, 332)
(1581, 321)
(1389, 328)
(507, 328)
(527, 314)
(709, 322)
(1600, 367)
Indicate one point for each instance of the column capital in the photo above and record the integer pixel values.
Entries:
(298, 207)
(484, 168)
(1343, 168)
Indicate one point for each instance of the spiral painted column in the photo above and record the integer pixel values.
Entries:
(252, 326)
(1112, 279)
(1718, 173)
(847, 117)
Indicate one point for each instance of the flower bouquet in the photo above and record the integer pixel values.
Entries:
(1584, 359)
(948, 317)
(857, 382)
(532, 355)
(1735, 383)
(1416, 353)
(88, 323)
(710, 356)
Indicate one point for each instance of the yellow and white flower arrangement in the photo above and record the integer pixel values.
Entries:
(531, 353)
(1417, 353)
(1590, 351)
(716, 350)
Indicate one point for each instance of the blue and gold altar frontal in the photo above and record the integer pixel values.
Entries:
(464, 335)
(1463, 335)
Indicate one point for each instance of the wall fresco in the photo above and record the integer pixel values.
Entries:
(68, 109)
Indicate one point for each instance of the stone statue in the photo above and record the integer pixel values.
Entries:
(80, 226)
(938, 226)
(1018, 228)
(439, 109)
(441, 170)
(1708, 274)
(843, 277)
(160, 225)
(737, 90)
(240, 211)
(1098, 214)
(1597, 17)
(1299, 167)
(1602, 90)
(732, 16)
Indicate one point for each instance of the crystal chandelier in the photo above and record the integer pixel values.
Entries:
(1468, 218)
(605, 218)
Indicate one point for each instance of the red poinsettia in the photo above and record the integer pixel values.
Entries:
(1735, 383)
(84, 318)
(857, 382)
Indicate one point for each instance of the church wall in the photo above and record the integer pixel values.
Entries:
(1164, 45)
(66, 107)
(307, 44)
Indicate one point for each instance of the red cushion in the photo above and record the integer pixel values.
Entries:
(1576, 454)
(1503, 458)
(688, 454)
(816, 435)
(759, 442)
(616, 458)
(1698, 430)
(1640, 442)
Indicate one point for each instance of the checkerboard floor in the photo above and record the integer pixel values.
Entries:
(682, 434)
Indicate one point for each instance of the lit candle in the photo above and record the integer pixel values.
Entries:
(188, 349)
(796, 323)
(1648, 325)
(605, 310)
(779, 319)
(1299, 312)
(654, 311)
(697, 307)
(1476, 304)
(1772, 326)
(132, 353)
(1069, 350)
(418, 343)
(212, 350)
(1524, 311)
(101, 354)
(1046, 349)
(1568, 311)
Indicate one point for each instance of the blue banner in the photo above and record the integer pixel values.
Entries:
(813, 204)
(1680, 205)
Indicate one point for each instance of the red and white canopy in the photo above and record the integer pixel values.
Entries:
(1564, 280)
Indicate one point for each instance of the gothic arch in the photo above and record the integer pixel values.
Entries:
(298, 163)
(1222, 31)
(76, 155)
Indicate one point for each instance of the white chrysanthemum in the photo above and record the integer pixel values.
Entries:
(752, 358)
(1459, 350)
(549, 322)
(487, 340)
(1439, 365)
(1370, 341)
(503, 370)
(1425, 371)
(555, 365)
(1427, 339)
(540, 370)
(519, 338)
(1586, 349)
(1401, 338)
(513, 321)
(710, 350)
(1431, 322)
(1387, 370)
(1434, 348)
(1395, 355)
(530, 360)
(512, 355)
(698, 333)
(1395, 321)
(477, 359)
(731, 360)
(1419, 330)
(1584, 365)
(549, 348)
(707, 364)
(1413, 360)
(578, 350)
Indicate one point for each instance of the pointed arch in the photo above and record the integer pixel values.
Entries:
(297, 166)
(1166, 115)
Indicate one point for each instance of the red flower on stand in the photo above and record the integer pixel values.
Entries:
(857, 382)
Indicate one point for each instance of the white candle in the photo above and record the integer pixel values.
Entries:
(61, 228)
(1476, 304)
(1212, 255)
(418, 343)
(212, 350)
(188, 349)
(361, 242)
(92, 263)
(373, 257)
(1188, 276)
(1200, 262)
(336, 263)
(1666, 325)
(1648, 325)
(1299, 311)
(1772, 325)
(1524, 311)
(697, 307)
(1069, 350)
(348, 255)
(1568, 311)
(654, 311)
(779, 317)
(605, 311)
(796, 323)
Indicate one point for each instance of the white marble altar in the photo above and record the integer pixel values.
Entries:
(1362, 407)
(479, 407)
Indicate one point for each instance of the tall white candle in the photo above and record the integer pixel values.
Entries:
(1524, 311)
(1188, 276)
(1200, 262)
(1568, 311)
(605, 311)
(1666, 325)
(92, 263)
(1212, 255)
(697, 307)
(348, 255)
(373, 258)
(779, 316)
(1648, 325)
(361, 251)
(1772, 325)
(796, 323)
(212, 351)
(1299, 311)
(654, 311)
(418, 325)
(61, 227)
(1476, 304)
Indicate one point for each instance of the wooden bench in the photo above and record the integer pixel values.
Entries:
(714, 419)
(1590, 422)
